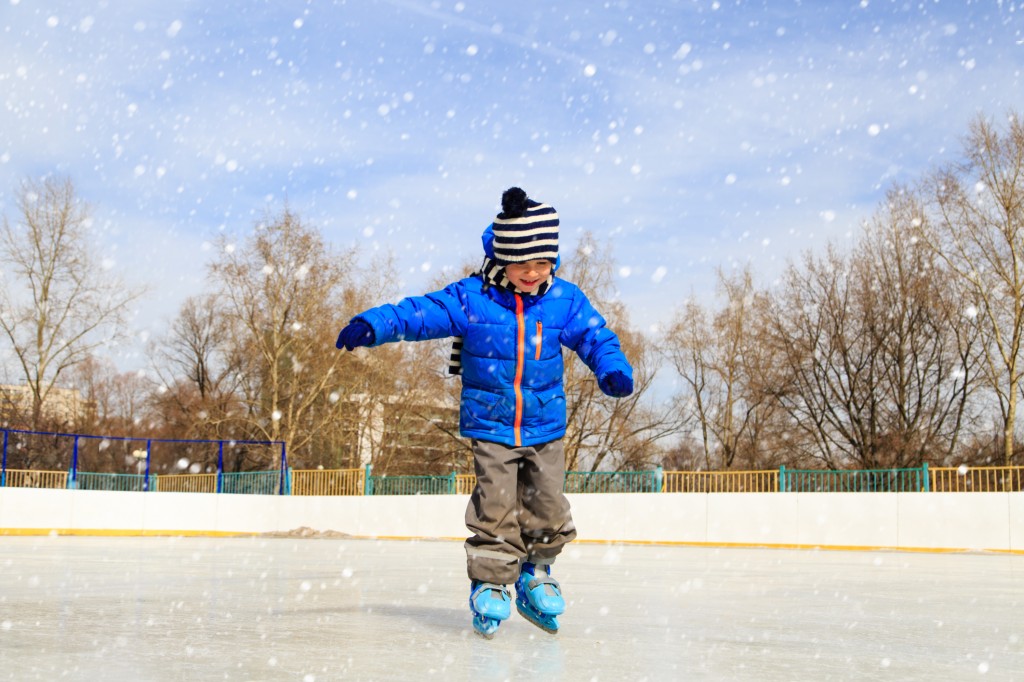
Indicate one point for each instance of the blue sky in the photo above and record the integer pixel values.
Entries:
(688, 135)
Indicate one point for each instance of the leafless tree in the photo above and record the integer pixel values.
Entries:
(198, 372)
(978, 233)
(421, 434)
(812, 327)
(927, 357)
(608, 433)
(878, 369)
(284, 293)
(118, 401)
(59, 305)
(725, 368)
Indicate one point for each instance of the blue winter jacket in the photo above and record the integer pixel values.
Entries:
(512, 366)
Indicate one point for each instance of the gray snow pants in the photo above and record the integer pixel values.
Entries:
(517, 511)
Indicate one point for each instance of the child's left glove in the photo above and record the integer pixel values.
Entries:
(357, 333)
(615, 384)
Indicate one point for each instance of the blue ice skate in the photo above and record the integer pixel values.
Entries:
(490, 605)
(539, 597)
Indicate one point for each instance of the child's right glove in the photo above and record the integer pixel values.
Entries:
(615, 384)
(355, 334)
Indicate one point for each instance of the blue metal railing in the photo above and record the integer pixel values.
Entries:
(143, 481)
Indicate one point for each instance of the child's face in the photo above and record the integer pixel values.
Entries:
(529, 275)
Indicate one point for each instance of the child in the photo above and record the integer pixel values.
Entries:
(510, 321)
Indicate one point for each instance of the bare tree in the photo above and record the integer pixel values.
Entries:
(978, 232)
(198, 370)
(725, 368)
(878, 369)
(602, 432)
(118, 401)
(621, 434)
(687, 346)
(927, 356)
(421, 433)
(284, 293)
(58, 304)
(811, 329)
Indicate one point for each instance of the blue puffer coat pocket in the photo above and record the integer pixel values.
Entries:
(483, 410)
(546, 418)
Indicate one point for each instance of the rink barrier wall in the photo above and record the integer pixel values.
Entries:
(361, 481)
(992, 522)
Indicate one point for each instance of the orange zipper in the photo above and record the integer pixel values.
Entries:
(520, 361)
(540, 336)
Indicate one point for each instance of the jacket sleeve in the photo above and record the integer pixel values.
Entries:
(595, 344)
(432, 316)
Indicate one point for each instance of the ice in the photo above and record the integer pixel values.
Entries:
(330, 607)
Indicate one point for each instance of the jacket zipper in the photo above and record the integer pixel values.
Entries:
(540, 337)
(517, 428)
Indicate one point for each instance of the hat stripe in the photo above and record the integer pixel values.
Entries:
(521, 244)
(538, 211)
(519, 236)
(533, 254)
(546, 219)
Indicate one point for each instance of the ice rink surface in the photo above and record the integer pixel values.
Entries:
(313, 609)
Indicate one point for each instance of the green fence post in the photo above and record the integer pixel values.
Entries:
(927, 478)
(368, 480)
(452, 483)
(782, 478)
(659, 479)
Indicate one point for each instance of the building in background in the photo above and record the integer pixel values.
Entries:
(62, 405)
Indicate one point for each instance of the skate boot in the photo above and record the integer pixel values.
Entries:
(539, 597)
(490, 605)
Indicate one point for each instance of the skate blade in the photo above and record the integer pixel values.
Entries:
(485, 627)
(548, 624)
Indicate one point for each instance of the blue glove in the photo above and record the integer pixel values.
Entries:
(357, 333)
(616, 384)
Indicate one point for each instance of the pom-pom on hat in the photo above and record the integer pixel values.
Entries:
(525, 230)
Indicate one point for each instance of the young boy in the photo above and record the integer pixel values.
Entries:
(510, 321)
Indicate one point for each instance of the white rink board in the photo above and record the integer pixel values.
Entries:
(849, 519)
(1017, 522)
(918, 521)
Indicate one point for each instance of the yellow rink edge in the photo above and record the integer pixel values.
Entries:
(108, 532)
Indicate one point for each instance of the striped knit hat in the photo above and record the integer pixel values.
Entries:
(524, 230)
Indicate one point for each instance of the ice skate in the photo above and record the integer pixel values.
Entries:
(539, 597)
(490, 605)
